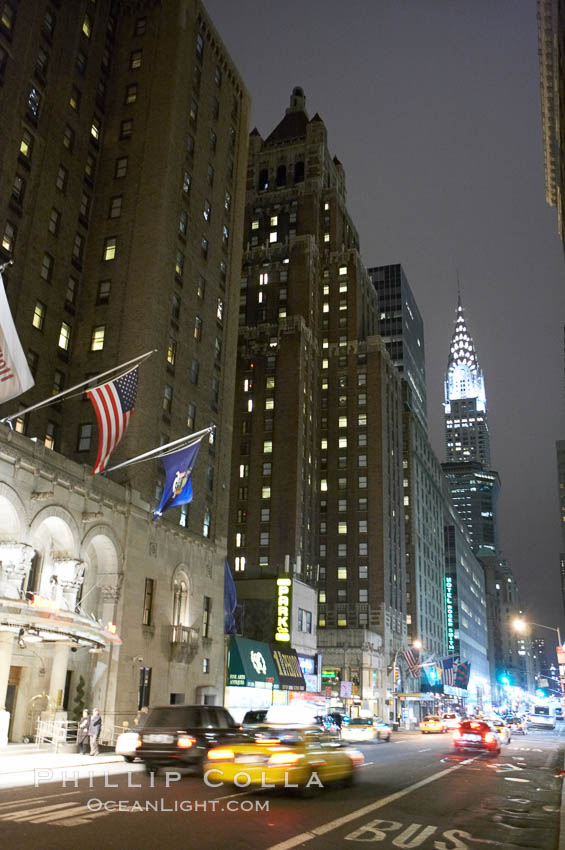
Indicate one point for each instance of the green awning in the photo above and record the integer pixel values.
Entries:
(250, 664)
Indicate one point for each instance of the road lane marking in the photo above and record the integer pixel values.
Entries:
(427, 750)
(303, 837)
(514, 779)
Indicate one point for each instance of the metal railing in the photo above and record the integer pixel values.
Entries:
(56, 733)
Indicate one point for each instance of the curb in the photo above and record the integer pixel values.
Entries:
(94, 763)
(561, 845)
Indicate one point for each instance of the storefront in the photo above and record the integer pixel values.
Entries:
(259, 676)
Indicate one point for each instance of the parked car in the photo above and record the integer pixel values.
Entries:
(503, 730)
(181, 735)
(450, 721)
(477, 735)
(431, 723)
(126, 745)
(297, 756)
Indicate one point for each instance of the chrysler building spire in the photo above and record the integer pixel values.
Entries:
(465, 405)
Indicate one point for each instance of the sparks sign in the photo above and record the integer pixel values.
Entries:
(449, 612)
(282, 632)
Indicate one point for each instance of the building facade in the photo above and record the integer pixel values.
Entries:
(317, 452)
(123, 151)
(92, 588)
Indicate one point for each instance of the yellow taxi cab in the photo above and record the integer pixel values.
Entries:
(432, 723)
(305, 758)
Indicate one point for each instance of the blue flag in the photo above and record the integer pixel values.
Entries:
(178, 478)
(230, 601)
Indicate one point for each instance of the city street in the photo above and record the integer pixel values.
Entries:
(413, 792)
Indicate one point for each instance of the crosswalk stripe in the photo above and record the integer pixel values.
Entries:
(76, 812)
(10, 804)
(29, 814)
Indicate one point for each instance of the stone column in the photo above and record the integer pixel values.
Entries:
(58, 674)
(6, 644)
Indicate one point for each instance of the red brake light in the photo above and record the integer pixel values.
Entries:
(221, 754)
(185, 741)
(475, 725)
(266, 741)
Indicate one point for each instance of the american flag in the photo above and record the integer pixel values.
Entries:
(412, 658)
(113, 403)
(448, 668)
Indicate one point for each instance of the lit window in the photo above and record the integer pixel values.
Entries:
(97, 338)
(95, 129)
(255, 224)
(220, 310)
(274, 220)
(273, 236)
(171, 351)
(324, 485)
(265, 492)
(39, 316)
(342, 421)
(9, 237)
(326, 237)
(206, 524)
(131, 93)
(87, 26)
(342, 573)
(34, 101)
(64, 336)
(26, 144)
(267, 446)
(110, 248)
(342, 528)
(135, 60)
(322, 597)
(342, 270)
(240, 564)
(8, 17)
(207, 211)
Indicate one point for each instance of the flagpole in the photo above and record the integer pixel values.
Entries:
(52, 399)
(187, 440)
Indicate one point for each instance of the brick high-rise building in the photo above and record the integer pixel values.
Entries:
(123, 148)
(317, 455)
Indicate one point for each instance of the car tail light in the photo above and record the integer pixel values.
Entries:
(221, 754)
(185, 742)
(284, 759)
(138, 743)
(475, 725)
(456, 734)
(489, 738)
(356, 756)
(266, 741)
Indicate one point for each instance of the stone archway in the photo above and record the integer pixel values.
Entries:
(58, 572)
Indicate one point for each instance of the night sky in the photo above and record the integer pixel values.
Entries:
(433, 108)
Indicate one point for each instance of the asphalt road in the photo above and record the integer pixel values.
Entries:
(414, 792)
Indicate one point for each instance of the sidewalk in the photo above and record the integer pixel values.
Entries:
(26, 764)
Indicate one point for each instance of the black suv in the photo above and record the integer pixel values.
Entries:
(181, 735)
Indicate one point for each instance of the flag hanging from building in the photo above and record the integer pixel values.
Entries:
(113, 403)
(178, 477)
(462, 674)
(15, 377)
(230, 601)
(412, 658)
(448, 668)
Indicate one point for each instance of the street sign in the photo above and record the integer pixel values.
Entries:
(346, 689)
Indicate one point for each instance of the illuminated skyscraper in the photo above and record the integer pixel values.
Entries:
(466, 428)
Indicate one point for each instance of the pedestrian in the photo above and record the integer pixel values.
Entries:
(94, 729)
(82, 733)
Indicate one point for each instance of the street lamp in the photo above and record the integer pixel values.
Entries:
(522, 626)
